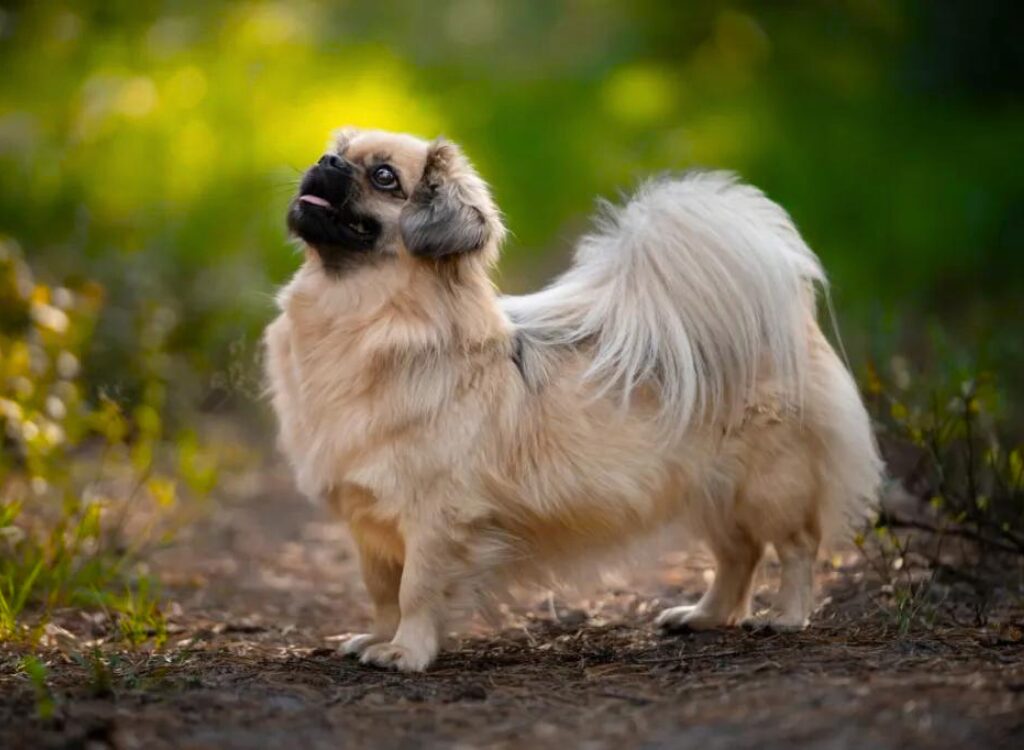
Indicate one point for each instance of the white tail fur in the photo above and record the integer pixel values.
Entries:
(695, 286)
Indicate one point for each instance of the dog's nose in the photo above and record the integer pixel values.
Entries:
(333, 161)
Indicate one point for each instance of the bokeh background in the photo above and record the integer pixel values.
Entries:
(151, 148)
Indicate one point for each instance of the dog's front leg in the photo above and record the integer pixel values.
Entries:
(430, 579)
(382, 576)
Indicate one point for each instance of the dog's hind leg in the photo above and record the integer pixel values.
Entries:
(727, 601)
(794, 602)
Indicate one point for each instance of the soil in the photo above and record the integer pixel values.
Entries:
(262, 589)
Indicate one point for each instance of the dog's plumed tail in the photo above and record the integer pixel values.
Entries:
(699, 286)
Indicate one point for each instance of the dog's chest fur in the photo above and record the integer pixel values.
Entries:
(372, 401)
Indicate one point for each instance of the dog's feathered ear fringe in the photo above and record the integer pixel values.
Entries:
(340, 138)
(450, 211)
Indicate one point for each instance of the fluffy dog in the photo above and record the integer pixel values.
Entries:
(676, 373)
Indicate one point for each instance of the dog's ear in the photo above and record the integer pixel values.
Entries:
(450, 211)
(340, 138)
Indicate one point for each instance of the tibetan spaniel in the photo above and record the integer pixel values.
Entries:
(674, 377)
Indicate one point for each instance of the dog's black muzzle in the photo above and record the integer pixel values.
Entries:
(325, 212)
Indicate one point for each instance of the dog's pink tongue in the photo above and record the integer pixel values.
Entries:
(316, 200)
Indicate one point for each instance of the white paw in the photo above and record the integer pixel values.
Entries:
(357, 644)
(773, 622)
(690, 617)
(396, 656)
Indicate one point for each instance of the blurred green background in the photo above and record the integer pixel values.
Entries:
(153, 146)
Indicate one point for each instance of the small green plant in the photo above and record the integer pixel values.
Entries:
(906, 588)
(98, 667)
(14, 598)
(36, 672)
(138, 614)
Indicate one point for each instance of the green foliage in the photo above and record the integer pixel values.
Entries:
(76, 478)
(965, 458)
(954, 454)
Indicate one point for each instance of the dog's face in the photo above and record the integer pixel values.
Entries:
(375, 196)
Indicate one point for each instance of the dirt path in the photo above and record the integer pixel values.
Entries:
(259, 588)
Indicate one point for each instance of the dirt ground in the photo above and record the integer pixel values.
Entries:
(263, 587)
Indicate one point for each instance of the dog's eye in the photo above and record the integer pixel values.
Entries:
(384, 178)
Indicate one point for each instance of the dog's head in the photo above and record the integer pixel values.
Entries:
(375, 196)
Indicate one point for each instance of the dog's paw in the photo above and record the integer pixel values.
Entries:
(688, 618)
(355, 645)
(771, 622)
(396, 656)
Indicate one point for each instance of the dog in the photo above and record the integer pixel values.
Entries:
(675, 375)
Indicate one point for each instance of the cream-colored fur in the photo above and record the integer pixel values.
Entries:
(470, 440)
